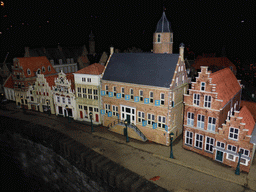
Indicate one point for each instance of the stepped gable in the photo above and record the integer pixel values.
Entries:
(227, 86)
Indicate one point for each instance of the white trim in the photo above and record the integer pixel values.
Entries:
(233, 134)
(189, 138)
(234, 157)
(209, 144)
(200, 141)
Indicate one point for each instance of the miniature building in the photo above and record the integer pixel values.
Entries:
(88, 99)
(146, 89)
(9, 89)
(211, 102)
(64, 95)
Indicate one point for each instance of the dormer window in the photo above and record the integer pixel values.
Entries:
(202, 86)
(43, 69)
(158, 38)
(28, 72)
(49, 68)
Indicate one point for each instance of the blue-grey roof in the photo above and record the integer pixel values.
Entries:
(142, 68)
(253, 138)
(163, 25)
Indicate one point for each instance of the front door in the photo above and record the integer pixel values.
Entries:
(81, 114)
(65, 112)
(128, 117)
(97, 117)
(219, 155)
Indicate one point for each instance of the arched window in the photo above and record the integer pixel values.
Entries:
(43, 69)
(38, 71)
(158, 38)
(49, 68)
(28, 72)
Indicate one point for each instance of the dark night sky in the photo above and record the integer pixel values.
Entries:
(203, 24)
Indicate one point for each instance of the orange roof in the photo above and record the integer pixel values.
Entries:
(216, 61)
(251, 106)
(84, 59)
(227, 85)
(50, 80)
(9, 82)
(70, 76)
(247, 119)
(35, 63)
(94, 69)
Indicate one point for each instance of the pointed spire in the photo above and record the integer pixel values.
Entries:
(163, 24)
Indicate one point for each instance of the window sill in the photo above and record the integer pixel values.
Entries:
(198, 148)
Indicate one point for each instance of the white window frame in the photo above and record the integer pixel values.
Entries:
(210, 144)
(89, 80)
(246, 161)
(190, 120)
(233, 148)
(151, 119)
(80, 106)
(151, 97)
(79, 92)
(141, 116)
(106, 88)
(161, 121)
(196, 99)
(63, 100)
(189, 138)
(114, 91)
(58, 99)
(200, 121)
(115, 110)
(161, 98)
(232, 158)
(211, 126)
(83, 79)
(198, 141)
(207, 101)
(95, 94)
(202, 87)
(243, 151)
(84, 93)
(232, 134)
(69, 101)
(219, 144)
(89, 93)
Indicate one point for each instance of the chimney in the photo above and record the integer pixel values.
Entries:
(27, 52)
(182, 51)
(111, 50)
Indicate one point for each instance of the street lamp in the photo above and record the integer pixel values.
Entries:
(22, 105)
(90, 114)
(238, 164)
(67, 113)
(49, 112)
(127, 138)
(171, 135)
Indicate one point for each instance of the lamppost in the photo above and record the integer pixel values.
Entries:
(91, 121)
(126, 123)
(238, 164)
(171, 135)
(22, 105)
(49, 112)
(67, 113)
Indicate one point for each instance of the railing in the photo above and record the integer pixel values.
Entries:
(121, 122)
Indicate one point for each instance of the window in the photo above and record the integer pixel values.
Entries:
(151, 95)
(30, 92)
(89, 93)
(151, 119)
(158, 38)
(115, 110)
(196, 99)
(230, 157)
(232, 148)
(200, 121)
(141, 116)
(49, 68)
(243, 161)
(106, 88)
(58, 99)
(43, 69)
(95, 94)
(63, 99)
(84, 93)
(220, 144)
(80, 106)
(161, 121)
(183, 79)
(131, 93)
(28, 72)
(199, 141)
(202, 86)
(68, 61)
(83, 79)
(181, 68)
(190, 120)
(141, 95)
(32, 99)
(162, 98)
(122, 91)
(207, 101)
(189, 138)
(114, 91)
(38, 71)
(211, 124)
(233, 133)
(69, 101)
(245, 152)
(107, 108)
(96, 109)
(89, 80)
(38, 100)
(209, 143)
(79, 92)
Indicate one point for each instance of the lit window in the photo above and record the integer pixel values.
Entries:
(151, 95)
(211, 124)
(196, 99)
(199, 141)
(188, 138)
(200, 121)
(190, 120)
(233, 133)
(207, 101)
(209, 144)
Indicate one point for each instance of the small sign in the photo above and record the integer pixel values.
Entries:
(154, 125)
(118, 95)
(136, 99)
(166, 128)
(110, 94)
(109, 114)
(146, 101)
(102, 111)
(103, 93)
(144, 123)
(127, 97)
(157, 102)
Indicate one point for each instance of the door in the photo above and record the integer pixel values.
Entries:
(81, 114)
(97, 117)
(128, 117)
(65, 112)
(60, 110)
(219, 155)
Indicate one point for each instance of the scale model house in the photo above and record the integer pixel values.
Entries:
(215, 125)
(146, 89)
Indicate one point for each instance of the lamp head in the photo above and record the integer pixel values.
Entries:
(125, 122)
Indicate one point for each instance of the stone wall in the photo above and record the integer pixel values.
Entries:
(66, 165)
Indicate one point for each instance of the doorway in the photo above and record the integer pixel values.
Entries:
(219, 155)
(97, 117)
(81, 114)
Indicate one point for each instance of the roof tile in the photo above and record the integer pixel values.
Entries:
(94, 69)
(216, 61)
(9, 82)
(251, 106)
(247, 119)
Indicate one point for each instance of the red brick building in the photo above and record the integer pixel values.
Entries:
(212, 101)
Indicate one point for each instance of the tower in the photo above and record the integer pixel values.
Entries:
(91, 44)
(163, 36)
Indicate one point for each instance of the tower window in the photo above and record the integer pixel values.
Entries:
(158, 38)
(171, 38)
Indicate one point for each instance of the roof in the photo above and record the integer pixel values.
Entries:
(9, 82)
(35, 63)
(94, 69)
(163, 25)
(251, 106)
(142, 68)
(220, 62)
(70, 77)
(50, 80)
(247, 119)
(227, 85)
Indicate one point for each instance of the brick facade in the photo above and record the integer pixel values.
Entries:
(165, 45)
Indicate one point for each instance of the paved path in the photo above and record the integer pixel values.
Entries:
(188, 172)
